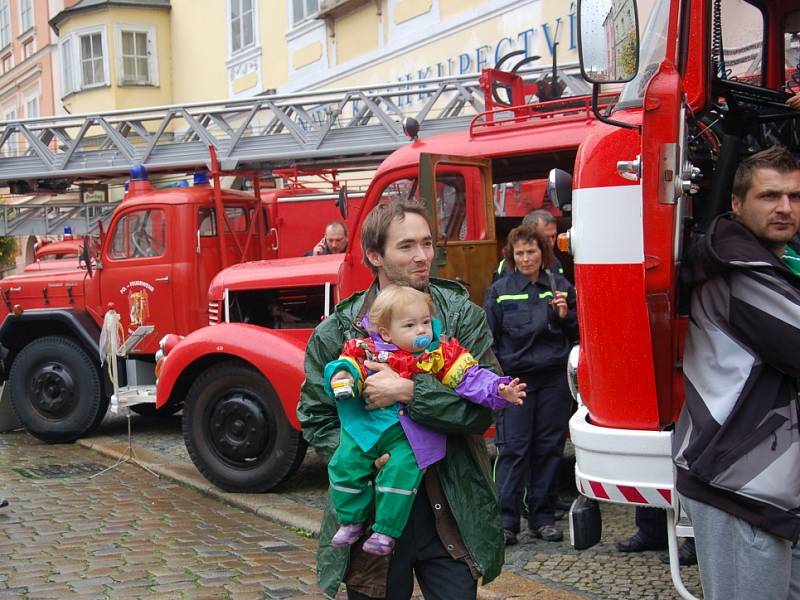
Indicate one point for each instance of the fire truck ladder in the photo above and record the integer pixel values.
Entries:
(362, 124)
(339, 127)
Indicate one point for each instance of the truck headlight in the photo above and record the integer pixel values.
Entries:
(572, 372)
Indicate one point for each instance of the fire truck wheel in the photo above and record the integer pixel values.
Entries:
(148, 409)
(55, 390)
(236, 431)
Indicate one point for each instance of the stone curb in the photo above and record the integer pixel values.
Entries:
(508, 586)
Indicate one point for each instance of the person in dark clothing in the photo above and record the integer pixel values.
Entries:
(333, 242)
(736, 445)
(532, 315)
(454, 535)
(545, 224)
(651, 534)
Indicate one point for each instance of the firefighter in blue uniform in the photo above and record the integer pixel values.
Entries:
(533, 319)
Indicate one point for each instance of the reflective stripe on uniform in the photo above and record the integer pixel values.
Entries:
(392, 490)
(348, 490)
(507, 297)
(547, 294)
(500, 266)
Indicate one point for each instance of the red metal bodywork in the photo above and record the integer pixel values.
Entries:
(628, 312)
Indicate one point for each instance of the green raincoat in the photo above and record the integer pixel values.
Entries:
(464, 473)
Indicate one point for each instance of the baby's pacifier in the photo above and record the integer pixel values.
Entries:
(421, 342)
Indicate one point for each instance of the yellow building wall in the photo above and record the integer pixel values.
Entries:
(118, 97)
(449, 8)
(273, 18)
(405, 10)
(356, 33)
(502, 30)
(199, 51)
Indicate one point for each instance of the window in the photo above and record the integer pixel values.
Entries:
(5, 24)
(141, 234)
(135, 63)
(92, 60)
(8, 63)
(11, 147)
(28, 48)
(67, 69)
(451, 214)
(25, 15)
(242, 17)
(237, 220)
(303, 9)
(32, 107)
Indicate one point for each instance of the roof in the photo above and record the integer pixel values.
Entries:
(89, 5)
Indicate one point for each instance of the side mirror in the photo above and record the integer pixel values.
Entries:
(341, 201)
(608, 40)
(86, 255)
(559, 188)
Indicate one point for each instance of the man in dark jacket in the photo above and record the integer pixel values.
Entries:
(333, 242)
(736, 445)
(453, 535)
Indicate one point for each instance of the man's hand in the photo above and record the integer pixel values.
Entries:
(794, 101)
(319, 248)
(385, 387)
(513, 393)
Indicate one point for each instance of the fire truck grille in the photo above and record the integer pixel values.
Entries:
(213, 313)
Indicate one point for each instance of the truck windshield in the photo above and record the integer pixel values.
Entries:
(651, 53)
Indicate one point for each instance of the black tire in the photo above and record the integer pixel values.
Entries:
(55, 390)
(254, 448)
(148, 409)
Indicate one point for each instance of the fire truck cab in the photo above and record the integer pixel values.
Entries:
(706, 83)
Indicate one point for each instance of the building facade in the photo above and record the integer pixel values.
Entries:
(28, 55)
(126, 53)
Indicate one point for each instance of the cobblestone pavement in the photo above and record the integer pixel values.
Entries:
(600, 572)
(126, 534)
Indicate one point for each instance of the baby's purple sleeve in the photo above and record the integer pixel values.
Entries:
(479, 386)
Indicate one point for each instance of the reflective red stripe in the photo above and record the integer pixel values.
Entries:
(632, 494)
(666, 494)
(598, 490)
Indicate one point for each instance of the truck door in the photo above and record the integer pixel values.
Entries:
(137, 273)
(458, 194)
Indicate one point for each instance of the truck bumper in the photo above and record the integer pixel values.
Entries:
(624, 466)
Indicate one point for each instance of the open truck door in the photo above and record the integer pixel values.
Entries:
(457, 192)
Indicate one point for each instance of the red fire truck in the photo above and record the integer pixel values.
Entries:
(239, 379)
(154, 265)
(709, 87)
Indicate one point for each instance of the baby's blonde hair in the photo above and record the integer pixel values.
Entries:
(390, 297)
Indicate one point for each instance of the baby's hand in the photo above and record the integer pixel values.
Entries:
(513, 392)
(342, 385)
(342, 376)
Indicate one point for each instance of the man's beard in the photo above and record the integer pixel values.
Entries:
(399, 277)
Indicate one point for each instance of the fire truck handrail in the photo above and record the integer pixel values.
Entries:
(562, 109)
(323, 127)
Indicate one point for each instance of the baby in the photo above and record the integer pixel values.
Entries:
(404, 335)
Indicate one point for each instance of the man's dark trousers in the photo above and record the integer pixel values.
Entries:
(419, 550)
(530, 440)
(652, 522)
